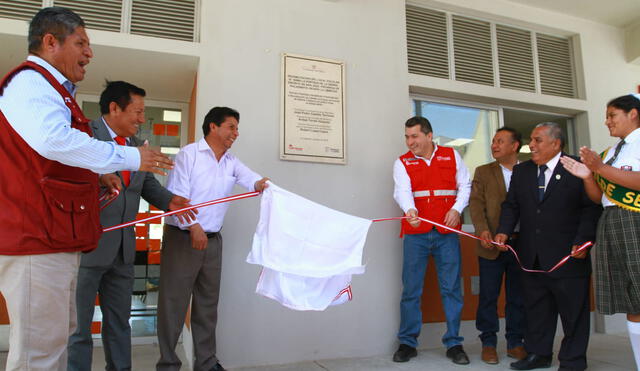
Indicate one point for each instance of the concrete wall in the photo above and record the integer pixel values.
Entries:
(244, 41)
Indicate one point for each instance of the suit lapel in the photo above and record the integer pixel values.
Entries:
(499, 178)
(559, 173)
(532, 178)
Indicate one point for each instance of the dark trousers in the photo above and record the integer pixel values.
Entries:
(114, 286)
(188, 276)
(491, 275)
(545, 299)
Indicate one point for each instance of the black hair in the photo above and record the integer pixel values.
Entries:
(119, 92)
(217, 115)
(425, 125)
(626, 103)
(515, 135)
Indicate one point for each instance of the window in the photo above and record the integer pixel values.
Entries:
(467, 129)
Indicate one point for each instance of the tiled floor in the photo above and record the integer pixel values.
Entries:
(606, 353)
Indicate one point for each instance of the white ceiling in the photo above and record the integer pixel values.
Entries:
(617, 13)
(165, 76)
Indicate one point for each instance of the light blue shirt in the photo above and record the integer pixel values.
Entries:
(37, 112)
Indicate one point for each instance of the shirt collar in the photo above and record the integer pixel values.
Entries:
(204, 146)
(71, 88)
(111, 132)
(551, 165)
(435, 148)
(633, 136)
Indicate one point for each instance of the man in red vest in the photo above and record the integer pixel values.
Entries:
(49, 188)
(432, 182)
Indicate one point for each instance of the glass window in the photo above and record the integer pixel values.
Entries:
(467, 129)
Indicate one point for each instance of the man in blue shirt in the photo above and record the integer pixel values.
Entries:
(49, 194)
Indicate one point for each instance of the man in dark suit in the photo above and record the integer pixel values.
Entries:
(556, 216)
(488, 191)
(108, 271)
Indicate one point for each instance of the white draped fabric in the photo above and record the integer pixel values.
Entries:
(308, 251)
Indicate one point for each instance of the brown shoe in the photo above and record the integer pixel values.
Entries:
(489, 355)
(517, 352)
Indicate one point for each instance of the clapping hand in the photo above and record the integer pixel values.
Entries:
(576, 168)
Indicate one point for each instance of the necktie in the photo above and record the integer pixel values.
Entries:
(616, 153)
(542, 168)
(126, 175)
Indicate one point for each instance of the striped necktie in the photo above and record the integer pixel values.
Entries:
(542, 168)
(616, 153)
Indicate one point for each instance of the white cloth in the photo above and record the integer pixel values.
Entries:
(308, 251)
(199, 176)
(37, 112)
(403, 194)
(628, 158)
(40, 291)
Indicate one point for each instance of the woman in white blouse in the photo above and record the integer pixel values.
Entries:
(613, 179)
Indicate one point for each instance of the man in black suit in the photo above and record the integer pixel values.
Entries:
(556, 217)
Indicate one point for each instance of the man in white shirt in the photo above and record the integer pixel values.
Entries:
(432, 182)
(192, 252)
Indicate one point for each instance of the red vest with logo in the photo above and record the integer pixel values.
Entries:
(434, 188)
(47, 207)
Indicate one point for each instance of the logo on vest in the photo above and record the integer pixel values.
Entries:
(67, 100)
(443, 158)
(411, 161)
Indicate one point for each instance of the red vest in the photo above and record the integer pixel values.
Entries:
(434, 188)
(47, 207)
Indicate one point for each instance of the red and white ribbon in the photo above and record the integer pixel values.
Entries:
(168, 213)
(558, 265)
(106, 198)
(256, 193)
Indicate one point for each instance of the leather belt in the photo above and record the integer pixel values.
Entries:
(209, 234)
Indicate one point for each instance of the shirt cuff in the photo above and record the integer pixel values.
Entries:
(131, 158)
(458, 209)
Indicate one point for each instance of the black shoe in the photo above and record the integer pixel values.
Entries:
(218, 367)
(457, 355)
(568, 369)
(404, 353)
(532, 361)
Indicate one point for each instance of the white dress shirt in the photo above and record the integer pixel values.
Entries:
(403, 194)
(37, 112)
(200, 177)
(551, 166)
(506, 175)
(628, 159)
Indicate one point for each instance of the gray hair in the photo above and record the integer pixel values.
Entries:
(58, 21)
(554, 131)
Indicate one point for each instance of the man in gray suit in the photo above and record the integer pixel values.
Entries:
(108, 271)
